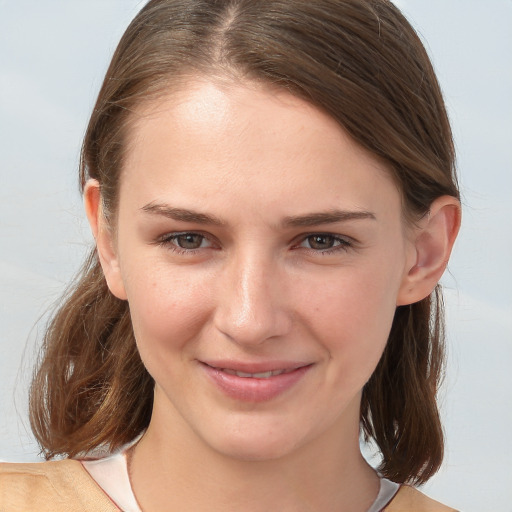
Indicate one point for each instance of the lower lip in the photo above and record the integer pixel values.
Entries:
(251, 389)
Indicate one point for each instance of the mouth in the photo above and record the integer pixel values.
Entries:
(256, 375)
(255, 382)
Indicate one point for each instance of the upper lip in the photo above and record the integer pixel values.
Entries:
(255, 367)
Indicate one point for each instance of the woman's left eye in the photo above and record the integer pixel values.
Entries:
(325, 242)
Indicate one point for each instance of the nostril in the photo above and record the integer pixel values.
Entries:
(253, 327)
(249, 307)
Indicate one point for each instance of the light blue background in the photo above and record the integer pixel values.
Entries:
(53, 55)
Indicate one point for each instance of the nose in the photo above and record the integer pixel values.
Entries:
(252, 305)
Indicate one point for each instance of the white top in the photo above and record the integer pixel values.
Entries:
(111, 474)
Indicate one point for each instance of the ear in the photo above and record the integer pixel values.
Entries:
(104, 241)
(432, 243)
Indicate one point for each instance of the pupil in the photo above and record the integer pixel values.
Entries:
(189, 241)
(321, 241)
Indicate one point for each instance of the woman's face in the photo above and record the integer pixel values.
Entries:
(262, 253)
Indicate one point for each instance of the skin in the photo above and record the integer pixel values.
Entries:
(270, 276)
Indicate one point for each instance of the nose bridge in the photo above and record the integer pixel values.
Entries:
(251, 306)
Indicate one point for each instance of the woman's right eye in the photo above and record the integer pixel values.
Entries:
(183, 242)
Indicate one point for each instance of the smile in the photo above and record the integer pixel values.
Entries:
(255, 383)
(259, 375)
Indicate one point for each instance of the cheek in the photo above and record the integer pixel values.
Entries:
(352, 317)
(167, 308)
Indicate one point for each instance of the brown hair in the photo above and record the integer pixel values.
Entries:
(362, 63)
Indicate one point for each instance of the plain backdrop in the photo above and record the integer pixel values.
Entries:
(53, 55)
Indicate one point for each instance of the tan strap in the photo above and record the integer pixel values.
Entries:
(57, 486)
(409, 499)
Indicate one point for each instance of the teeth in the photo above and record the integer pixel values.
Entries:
(260, 375)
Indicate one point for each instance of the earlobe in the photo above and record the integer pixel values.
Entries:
(433, 243)
(103, 236)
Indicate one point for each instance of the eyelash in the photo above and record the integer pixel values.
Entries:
(344, 244)
(169, 241)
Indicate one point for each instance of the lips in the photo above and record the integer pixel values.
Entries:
(258, 375)
(260, 382)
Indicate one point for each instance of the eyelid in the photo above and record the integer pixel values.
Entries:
(345, 242)
(337, 236)
(167, 239)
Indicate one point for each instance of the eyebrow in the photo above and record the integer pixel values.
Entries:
(310, 219)
(329, 217)
(182, 214)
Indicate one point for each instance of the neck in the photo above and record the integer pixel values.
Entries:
(179, 472)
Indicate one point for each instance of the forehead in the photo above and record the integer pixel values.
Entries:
(224, 136)
(203, 107)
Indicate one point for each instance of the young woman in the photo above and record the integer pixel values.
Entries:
(272, 192)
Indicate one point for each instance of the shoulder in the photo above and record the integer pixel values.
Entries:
(50, 486)
(409, 499)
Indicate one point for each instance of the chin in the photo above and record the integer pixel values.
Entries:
(255, 447)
